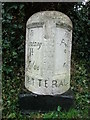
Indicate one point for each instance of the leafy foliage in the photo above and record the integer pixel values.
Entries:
(13, 50)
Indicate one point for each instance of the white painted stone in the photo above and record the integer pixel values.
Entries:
(48, 53)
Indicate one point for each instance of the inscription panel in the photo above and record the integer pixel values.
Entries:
(34, 48)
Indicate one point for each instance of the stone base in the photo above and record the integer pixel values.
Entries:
(29, 101)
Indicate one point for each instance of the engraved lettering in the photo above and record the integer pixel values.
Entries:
(39, 82)
(31, 33)
(28, 79)
(63, 25)
(65, 83)
(33, 65)
(61, 83)
(64, 64)
(46, 83)
(31, 51)
(39, 45)
(54, 83)
(35, 25)
(63, 41)
(35, 44)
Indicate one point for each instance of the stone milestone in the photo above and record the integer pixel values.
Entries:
(48, 53)
(47, 63)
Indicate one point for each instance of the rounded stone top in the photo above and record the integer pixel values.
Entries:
(55, 16)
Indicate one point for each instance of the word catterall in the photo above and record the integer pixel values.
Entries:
(45, 83)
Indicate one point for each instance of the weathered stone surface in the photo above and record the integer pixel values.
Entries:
(48, 53)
